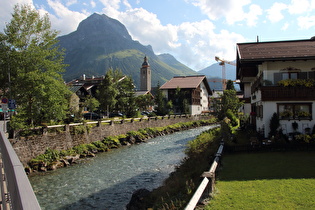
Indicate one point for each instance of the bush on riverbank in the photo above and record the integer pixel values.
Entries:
(53, 159)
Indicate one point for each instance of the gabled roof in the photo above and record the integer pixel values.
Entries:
(186, 82)
(75, 88)
(278, 50)
(144, 92)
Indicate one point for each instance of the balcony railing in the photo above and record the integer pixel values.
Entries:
(280, 93)
(20, 194)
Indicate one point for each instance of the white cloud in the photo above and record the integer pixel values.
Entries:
(126, 3)
(113, 4)
(298, 6)
(193, 43)
(93, 4)
(294, 8)
(252, 15)
(224, 44)
(274, 14)
(145, 26)
(64, 19)
(306, 22)
(231, 10)
(71, 2)
(6, 10)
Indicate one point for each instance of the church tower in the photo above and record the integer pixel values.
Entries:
(145, 76)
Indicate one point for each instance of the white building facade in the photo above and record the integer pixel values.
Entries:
(278, 77)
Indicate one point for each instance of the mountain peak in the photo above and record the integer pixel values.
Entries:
(102, 24)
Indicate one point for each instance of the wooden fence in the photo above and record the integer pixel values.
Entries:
(208, 183)
(44, 129)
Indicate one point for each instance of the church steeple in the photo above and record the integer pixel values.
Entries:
(145, 62)
(145, 75)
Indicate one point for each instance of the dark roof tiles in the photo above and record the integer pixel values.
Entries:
(298, 49)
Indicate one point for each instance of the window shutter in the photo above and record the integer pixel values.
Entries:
(302, 75)
(277, 78)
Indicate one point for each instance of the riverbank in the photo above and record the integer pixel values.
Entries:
(179, 187)
(54, 159)
(30, 143)
(108, 180)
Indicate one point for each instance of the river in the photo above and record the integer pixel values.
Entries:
(108, 180)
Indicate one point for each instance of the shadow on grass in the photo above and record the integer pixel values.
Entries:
(267, 165)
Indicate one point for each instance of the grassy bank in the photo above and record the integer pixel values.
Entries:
(277, 180)
(53, 159)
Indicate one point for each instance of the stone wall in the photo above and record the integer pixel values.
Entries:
(32, 146)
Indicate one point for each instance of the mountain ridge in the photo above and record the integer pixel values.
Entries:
(101, 43)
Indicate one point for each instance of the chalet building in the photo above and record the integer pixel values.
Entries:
(197, 91)
(85, 86)
(278, 77)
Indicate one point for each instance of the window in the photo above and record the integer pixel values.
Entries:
(296, 111)
(289, 75)
(259, 111)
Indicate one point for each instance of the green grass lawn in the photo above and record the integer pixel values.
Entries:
(279, 180)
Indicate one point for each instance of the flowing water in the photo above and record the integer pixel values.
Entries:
(108, 180)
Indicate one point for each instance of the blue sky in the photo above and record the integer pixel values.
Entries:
(194, 31)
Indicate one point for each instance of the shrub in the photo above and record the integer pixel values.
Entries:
(232, 117)
(111, 142)
(49, 156)
(274, 124)
(101, 147)
(80, 129)
(137, 135)
(81, 149)
(199, 144)
(68, 152)
(91, 147)
(297, 82)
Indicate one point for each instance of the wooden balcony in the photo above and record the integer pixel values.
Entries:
(279, 93)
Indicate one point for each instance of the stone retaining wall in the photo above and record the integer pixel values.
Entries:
(30, 147)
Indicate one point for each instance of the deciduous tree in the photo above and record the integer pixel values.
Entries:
(117, 93)
(34, 62)
(107, 93)
(161, 102)
(229, 101)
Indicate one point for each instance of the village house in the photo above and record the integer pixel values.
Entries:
(197, 91)
(85, 87)
(278, 77)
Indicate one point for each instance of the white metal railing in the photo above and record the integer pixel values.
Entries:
(205, 182)
(16, 190)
